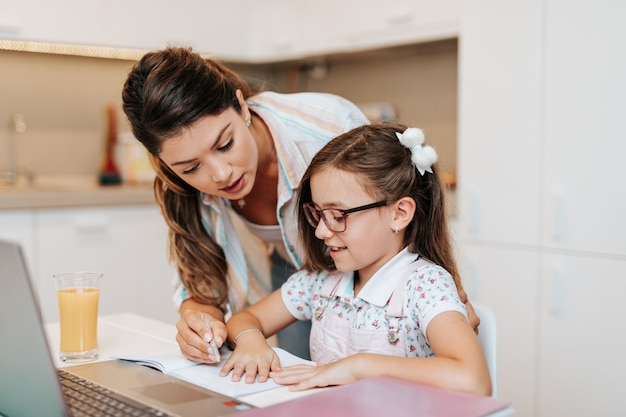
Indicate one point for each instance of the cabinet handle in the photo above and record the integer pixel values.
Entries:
(557, 298)
(91, 225)
(470, 277)
(400, 18)
(474, 212)
(558, 232)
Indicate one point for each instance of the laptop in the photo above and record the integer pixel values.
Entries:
(30, 384)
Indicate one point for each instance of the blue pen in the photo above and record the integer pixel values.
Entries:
(216, 351)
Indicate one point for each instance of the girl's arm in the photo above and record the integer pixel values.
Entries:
(247, 331)
(459, 363)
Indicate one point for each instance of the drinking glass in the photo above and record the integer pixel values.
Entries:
(78, 294)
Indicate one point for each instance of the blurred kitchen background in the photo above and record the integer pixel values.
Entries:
(63, 98)
(523, 100)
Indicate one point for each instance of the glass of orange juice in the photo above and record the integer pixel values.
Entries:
(78, 294)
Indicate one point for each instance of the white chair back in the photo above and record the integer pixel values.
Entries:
(488, 336)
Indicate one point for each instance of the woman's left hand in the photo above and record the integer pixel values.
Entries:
(472, 317)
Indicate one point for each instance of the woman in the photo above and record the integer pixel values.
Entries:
(228, 161)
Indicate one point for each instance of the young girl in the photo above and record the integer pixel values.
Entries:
(379, 278)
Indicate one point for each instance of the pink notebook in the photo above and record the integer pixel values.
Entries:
(383, 396)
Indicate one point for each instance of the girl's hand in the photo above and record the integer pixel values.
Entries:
(195, 331)
(302, 377)
(253, 358)
(247, 330)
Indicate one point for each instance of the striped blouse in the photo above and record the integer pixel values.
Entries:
(300, 124)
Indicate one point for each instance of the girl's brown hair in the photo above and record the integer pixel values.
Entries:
(164, 93)
(384, 164)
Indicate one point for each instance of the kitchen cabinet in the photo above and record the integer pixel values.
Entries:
(581, 356)
(541, 200)
(292, 30)
(365, 24)
(19, 226)
(499, 145)
(210, 26)
(237, 30)
(585, 140)
(505, 279)
(126, 243)
(273, 30)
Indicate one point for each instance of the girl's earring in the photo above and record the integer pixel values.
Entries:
(396, 229)
(248, 122)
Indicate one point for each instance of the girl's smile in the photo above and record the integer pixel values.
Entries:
(335, 251)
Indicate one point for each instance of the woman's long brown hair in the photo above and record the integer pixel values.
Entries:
(164, 93)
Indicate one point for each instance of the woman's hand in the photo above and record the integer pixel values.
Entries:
(472, 317)
(254, 357)
(196, 328)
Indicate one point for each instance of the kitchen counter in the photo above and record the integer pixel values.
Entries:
(81, 192)
(72, 192)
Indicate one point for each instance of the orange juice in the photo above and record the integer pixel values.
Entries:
(78, 308)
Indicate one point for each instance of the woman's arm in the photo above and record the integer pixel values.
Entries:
(459, 363)
(194, 334)
(247, 331)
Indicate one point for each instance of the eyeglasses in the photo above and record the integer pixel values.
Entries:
(334, 219)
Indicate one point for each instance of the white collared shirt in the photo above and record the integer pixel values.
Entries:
(430, 290)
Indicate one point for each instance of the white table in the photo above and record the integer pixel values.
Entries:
(121, 334)
(128, 334)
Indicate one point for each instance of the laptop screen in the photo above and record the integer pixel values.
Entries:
(28, 380)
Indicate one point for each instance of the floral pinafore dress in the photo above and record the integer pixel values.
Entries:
(334, 337)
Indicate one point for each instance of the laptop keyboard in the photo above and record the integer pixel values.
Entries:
(85, 398)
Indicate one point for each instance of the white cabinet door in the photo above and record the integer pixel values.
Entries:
(282, 30)
(65, 21)
(19, 226)
(507, 281)
(153, 268)
(553, 190)
(582, 345)
(331, 26)
(209, 26)
(127, 244)
(500, 98)
(585, 187)
(142, 24)
(273, 30)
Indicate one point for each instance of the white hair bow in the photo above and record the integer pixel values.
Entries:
(423, 157)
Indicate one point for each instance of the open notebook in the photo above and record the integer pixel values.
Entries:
(172, 362)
